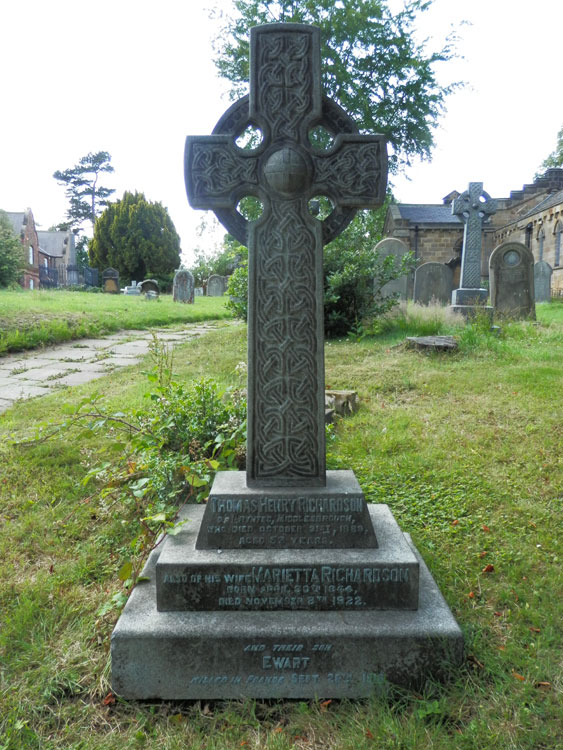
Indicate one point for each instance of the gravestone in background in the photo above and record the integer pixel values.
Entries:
(110, 281)
(217, 285)
(133, 289)
(149, 285)
(183, 286)
(511, 277)
(474, 206)
(198, 291)
(542, 281)
(285, 584)
(433, 283)
(397, 249)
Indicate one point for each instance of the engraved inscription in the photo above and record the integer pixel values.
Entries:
(321, 587)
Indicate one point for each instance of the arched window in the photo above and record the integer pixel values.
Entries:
(30, 255)
(529, 230)
(541, 238)
(558, 230)
(31, 284)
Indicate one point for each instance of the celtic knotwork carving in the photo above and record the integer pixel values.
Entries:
(353, 171)
(285, 312)
(284, 89)
(286, 335)
(217, 171)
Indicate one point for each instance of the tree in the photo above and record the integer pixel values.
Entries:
(86, 197)
(12, 256)
(137, 237)
(555, 159)
(371, 64)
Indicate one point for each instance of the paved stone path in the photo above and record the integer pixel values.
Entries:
(41, 371)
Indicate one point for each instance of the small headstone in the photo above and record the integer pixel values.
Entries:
(542, 281)
(183, 286)
(198, 291)
(397, 249)
(433, 283)
(149, 285)
(110, 281)
(511, 277)
(151, 295)
(217, 285)
(474, 206)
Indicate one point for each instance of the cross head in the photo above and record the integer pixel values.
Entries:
(474, 206)
(286, 422)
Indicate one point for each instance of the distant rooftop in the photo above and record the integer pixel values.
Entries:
(425, 213)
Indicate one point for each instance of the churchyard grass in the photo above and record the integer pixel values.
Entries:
(466, 448)
(29, 319)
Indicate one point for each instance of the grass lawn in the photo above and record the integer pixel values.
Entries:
(465, 447)
(34, 318)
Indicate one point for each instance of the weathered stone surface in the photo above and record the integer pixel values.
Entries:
(542, 281)
(287, 654)
(354, 580)
(217, 285)
(433, 283)
(110, 281)
(330, 517)
(183, 286)
(511, 275)
(285, 362)
(149, 285)
(474, 206)
(433, 343)
(397, 249)
(343, 403)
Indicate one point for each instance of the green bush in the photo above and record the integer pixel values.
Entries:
(237, 290)
(12, 258)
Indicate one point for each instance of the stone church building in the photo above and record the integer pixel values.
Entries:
(532, 215)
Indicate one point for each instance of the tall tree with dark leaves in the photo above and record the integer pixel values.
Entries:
(372, 64)
(137, 237)
(87, 197)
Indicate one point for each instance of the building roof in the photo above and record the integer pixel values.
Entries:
(17, 220)
(425, 213)
(55, 243)
(543, 205)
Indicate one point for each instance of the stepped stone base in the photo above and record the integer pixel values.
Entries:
(385, 577)
(280, 654)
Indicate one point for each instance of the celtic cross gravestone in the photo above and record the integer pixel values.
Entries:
(279, 586)
(474, 206)
(285, 307)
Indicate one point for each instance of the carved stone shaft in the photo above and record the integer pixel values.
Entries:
(285, 309)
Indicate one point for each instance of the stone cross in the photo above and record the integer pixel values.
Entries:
(474, 206)
(285, 445)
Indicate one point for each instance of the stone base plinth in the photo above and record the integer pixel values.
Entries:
(385, 577)
(281, 654)
(472, 297)
(331, 517)
(470, 311)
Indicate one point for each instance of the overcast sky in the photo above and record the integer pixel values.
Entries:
(134, 77)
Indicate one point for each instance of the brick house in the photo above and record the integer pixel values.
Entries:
(532, 215)
(24, 227)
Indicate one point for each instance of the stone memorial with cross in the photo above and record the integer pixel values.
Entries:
(286, 584)
(474, 207)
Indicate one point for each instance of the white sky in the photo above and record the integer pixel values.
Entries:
(134, 77)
